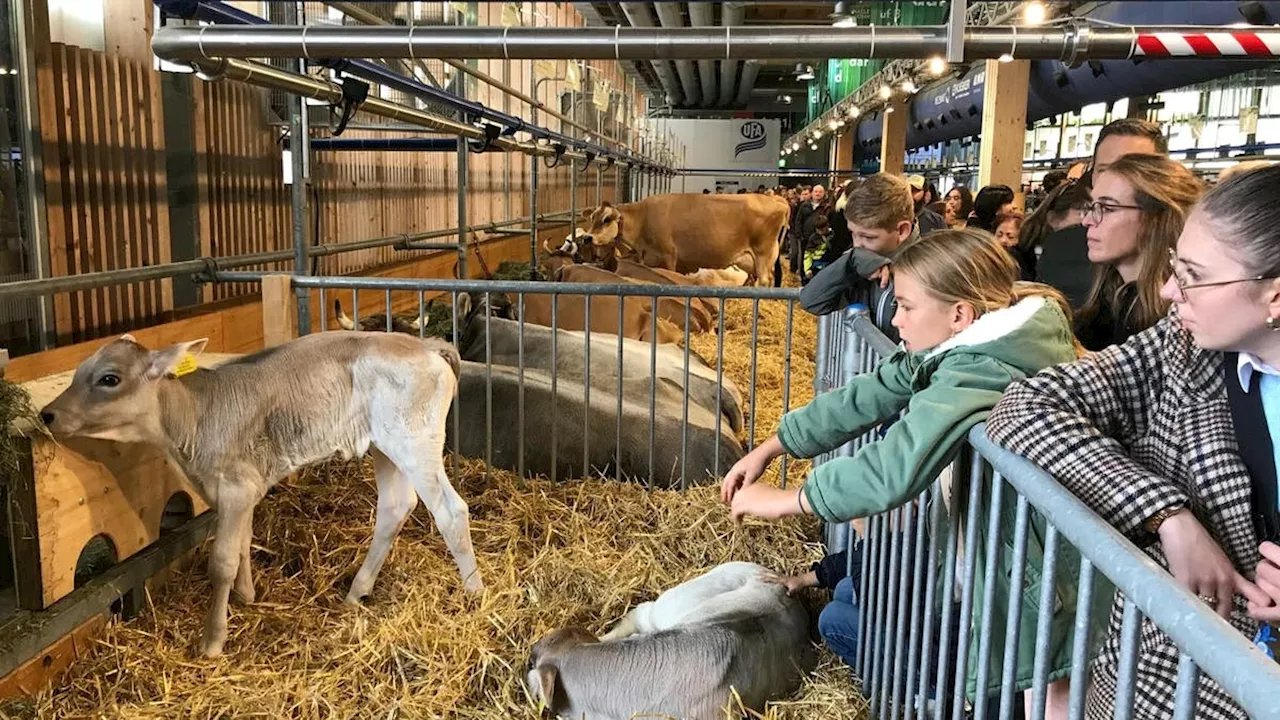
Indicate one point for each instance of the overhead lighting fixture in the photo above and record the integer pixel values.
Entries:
(886, 92)
(804, 72)
(817, 135)
(786, 99)
(833, 124)
(839, 123)
(1006, 58)
(846, 21)
(908, 86)
(937, 65)
(889, 109)
(854, 111)
(1034, 13)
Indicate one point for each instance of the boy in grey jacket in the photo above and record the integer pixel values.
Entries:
(880, 215)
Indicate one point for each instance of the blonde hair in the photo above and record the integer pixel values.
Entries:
(971, 267)
(881, 201)
(1165, 190)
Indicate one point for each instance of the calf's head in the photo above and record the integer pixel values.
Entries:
(544, 671)
(114, 394)
(409, 324)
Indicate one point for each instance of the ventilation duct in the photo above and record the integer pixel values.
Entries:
(669, 17)
(732, 14)
(637, 13)
(702, 14)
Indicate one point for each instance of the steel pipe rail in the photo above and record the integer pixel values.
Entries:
(240, 20)
(354, 10)
(266, 76)
(208, 265)
(1069, 42)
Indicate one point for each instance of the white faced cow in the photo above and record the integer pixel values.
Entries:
(240, 428)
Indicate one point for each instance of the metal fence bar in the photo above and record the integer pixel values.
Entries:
(1013, 624)
(1184, 706)
(967, 586)
(865, 588)
(923, 534)
(555, 396)
(755, 343)
(684, 418)
(617, 448)
(719, 380)
(1127, 674)
(653, 386)
(586, 386)
(488, 385)
(906, 552)
(948, 595)
(1048, 591)
(988, 597)
(786, 379)
(1080, 645)
(520, 410)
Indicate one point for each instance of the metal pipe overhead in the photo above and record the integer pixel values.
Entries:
(408, 144)
(355, 11)
(702, 14)
(1070, 42)
(638, 15)
(211, 11)
(750, 70)
(273, 78)
(732, 14)
(670, 19)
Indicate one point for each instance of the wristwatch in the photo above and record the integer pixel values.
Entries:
(1153, 523)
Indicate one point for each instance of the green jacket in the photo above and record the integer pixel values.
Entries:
(946, 391)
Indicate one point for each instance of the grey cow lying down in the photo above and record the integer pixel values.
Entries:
(244, 426)
(680, 656)
(600, 426)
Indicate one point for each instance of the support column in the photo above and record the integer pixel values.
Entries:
(893, 137)
(1004, 125)
(842, 158)
(299, 146)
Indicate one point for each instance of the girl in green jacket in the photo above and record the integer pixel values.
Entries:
(968, 329)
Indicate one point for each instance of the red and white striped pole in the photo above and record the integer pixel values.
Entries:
(1234, 43)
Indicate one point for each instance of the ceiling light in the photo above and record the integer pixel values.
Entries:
(908, 85)
(1034, 13)
(889, 109)
(786, 99)
(806, 75)
(846, 21)
(885, 92)
(937, 65)
(854, 111)
(817, 135)
(839, 123)
(1005, 58)
(833, 124)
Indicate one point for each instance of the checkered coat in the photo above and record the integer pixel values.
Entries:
(1131, 430)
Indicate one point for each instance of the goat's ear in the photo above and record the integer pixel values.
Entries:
(548, 676)
(170, 361)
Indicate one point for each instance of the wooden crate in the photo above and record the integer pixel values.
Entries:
(70, 492)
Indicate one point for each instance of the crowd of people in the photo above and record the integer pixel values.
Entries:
(1124, 335)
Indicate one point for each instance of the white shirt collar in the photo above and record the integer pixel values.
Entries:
(1247, 364)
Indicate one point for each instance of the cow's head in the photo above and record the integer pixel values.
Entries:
(402, 323)
(543, 677)
(114, 393)
(602, 225)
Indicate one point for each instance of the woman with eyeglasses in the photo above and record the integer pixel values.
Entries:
(1174, 437)
(1137, 208)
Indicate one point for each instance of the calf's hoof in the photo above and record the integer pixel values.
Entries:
(473, 584)
(244, 595)
(211, 647)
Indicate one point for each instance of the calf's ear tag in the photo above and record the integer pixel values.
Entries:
(185, 366)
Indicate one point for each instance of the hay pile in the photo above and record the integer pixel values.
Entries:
(551, 555)
(15, 410)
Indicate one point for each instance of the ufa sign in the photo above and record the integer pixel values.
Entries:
(752, 137)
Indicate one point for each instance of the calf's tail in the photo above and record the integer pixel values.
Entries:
(447, 351)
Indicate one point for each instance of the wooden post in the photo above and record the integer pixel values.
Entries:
(843, 159)
(279, 311)
(1004, 125)
(893, 138)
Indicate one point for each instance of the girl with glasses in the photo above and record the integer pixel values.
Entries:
(1136, 210)
(1174, 438)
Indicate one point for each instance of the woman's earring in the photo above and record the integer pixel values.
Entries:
(1273, 324)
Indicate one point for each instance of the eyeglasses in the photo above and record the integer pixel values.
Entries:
(1183, 286)
(1096, 210)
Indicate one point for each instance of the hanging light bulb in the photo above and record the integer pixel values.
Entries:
(937, 65)
(908, 85)
(833, 124)
(885, 92)
(854, 111)
(1006, 58)
(1034, 13)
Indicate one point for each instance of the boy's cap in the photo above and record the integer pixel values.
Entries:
(916, 181)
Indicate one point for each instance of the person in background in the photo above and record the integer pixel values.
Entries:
(880, 218)
(1052, 180)
(1139, 204)
(1008, 229)
(1064, 259)
(1060, 209)
(806, 215)
(968, 329)
(991, 202)
(815, 248)
(926, 219)
(959, 206)
(706, 191)
(841, 239)
(1171, 438)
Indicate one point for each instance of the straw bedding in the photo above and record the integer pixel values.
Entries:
(551, 555)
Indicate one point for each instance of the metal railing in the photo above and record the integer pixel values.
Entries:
(898, 590)
(647, 456)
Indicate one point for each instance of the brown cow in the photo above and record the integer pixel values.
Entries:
(637, 322)
(686, 233)
(669, 308)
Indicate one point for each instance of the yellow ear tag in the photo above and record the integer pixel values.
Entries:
(185, 366)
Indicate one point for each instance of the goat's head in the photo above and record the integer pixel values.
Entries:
(114, 393)
(543, 677)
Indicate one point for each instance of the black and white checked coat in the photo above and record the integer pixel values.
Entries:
(1131, 430)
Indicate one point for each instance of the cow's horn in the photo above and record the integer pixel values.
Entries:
(416, 324)
(343, 320)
